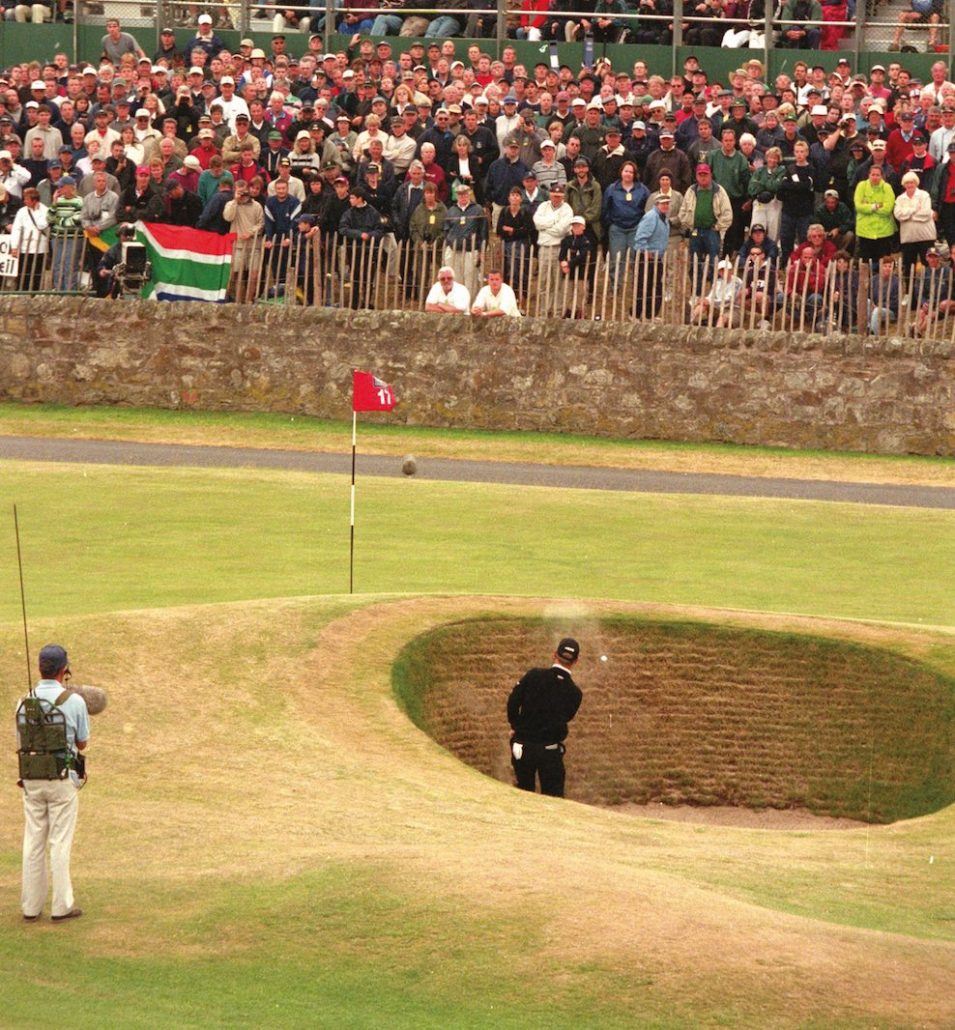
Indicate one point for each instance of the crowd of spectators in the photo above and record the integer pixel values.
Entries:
(389, 152)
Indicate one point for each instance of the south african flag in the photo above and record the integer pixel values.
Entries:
(187, 264)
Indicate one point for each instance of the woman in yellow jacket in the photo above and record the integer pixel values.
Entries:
(875, 222)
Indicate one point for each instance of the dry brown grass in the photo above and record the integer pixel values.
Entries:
(196, 777)
(681, 712)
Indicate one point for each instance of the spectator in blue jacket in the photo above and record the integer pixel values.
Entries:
(281, 213)
(212, 218)
(361, 227)
(623, 205)
(650, 242)
(503, 175)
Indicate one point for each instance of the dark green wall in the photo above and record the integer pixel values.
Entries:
(28, 42)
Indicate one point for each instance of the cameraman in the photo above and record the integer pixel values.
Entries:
(50, 807)
(105, 281)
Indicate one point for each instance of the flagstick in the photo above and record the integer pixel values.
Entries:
(351, 551)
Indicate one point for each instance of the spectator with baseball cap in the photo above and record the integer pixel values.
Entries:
(837, 220)
(705, 214)
(140, 202)
(465, 234)
(65, 232)
(920, 161)
(650, 244)
(552, 220)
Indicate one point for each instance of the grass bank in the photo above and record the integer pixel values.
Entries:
(267, 840)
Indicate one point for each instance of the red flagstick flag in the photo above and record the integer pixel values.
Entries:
(369, 393)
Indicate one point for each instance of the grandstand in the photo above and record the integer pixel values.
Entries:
(596, 85)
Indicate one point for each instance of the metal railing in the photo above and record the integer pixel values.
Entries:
(676, 289)
(246, 16)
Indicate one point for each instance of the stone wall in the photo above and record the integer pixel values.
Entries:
(892, 395)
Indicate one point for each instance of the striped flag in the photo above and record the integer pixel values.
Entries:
(187, 264)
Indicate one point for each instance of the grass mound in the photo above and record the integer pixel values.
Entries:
(696, 713)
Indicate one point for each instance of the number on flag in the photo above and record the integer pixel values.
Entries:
(369, 393)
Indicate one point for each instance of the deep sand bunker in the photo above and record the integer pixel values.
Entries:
(696, 714)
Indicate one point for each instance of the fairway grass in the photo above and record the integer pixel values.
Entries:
(120, 538)
(383, 435)
(268, 841)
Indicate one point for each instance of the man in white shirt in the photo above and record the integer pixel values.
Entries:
(448, 297)
(495, 300)
(552, 221)
(232, 104)
(13, 177)
(941, 137)
(399, 147)
(937, 83)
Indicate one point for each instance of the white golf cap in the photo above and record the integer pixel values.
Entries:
(204, 19)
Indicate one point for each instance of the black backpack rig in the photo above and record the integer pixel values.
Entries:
(43, 752)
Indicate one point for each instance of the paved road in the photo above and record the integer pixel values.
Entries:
(574, 477)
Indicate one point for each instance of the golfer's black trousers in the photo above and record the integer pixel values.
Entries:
(540, 761)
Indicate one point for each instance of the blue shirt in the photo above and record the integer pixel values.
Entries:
(73, 709)
(653, 233)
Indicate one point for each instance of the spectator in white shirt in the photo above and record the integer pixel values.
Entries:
(448, 297)
(495, 300)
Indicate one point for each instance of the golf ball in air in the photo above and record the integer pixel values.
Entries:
(603, 657)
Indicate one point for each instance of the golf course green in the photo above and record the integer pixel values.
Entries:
(270, 839)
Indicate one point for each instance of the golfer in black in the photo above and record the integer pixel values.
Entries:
(539, 708)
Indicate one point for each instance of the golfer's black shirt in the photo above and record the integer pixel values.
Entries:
(541, 705)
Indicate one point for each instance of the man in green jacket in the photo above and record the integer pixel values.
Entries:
(837, 220)
(585, 197)
(731, 171)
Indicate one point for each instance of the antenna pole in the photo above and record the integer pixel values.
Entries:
(23, 600)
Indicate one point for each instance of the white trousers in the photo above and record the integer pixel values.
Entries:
(50, 808)
(733, 39)
(36, 12)
(464, 263)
